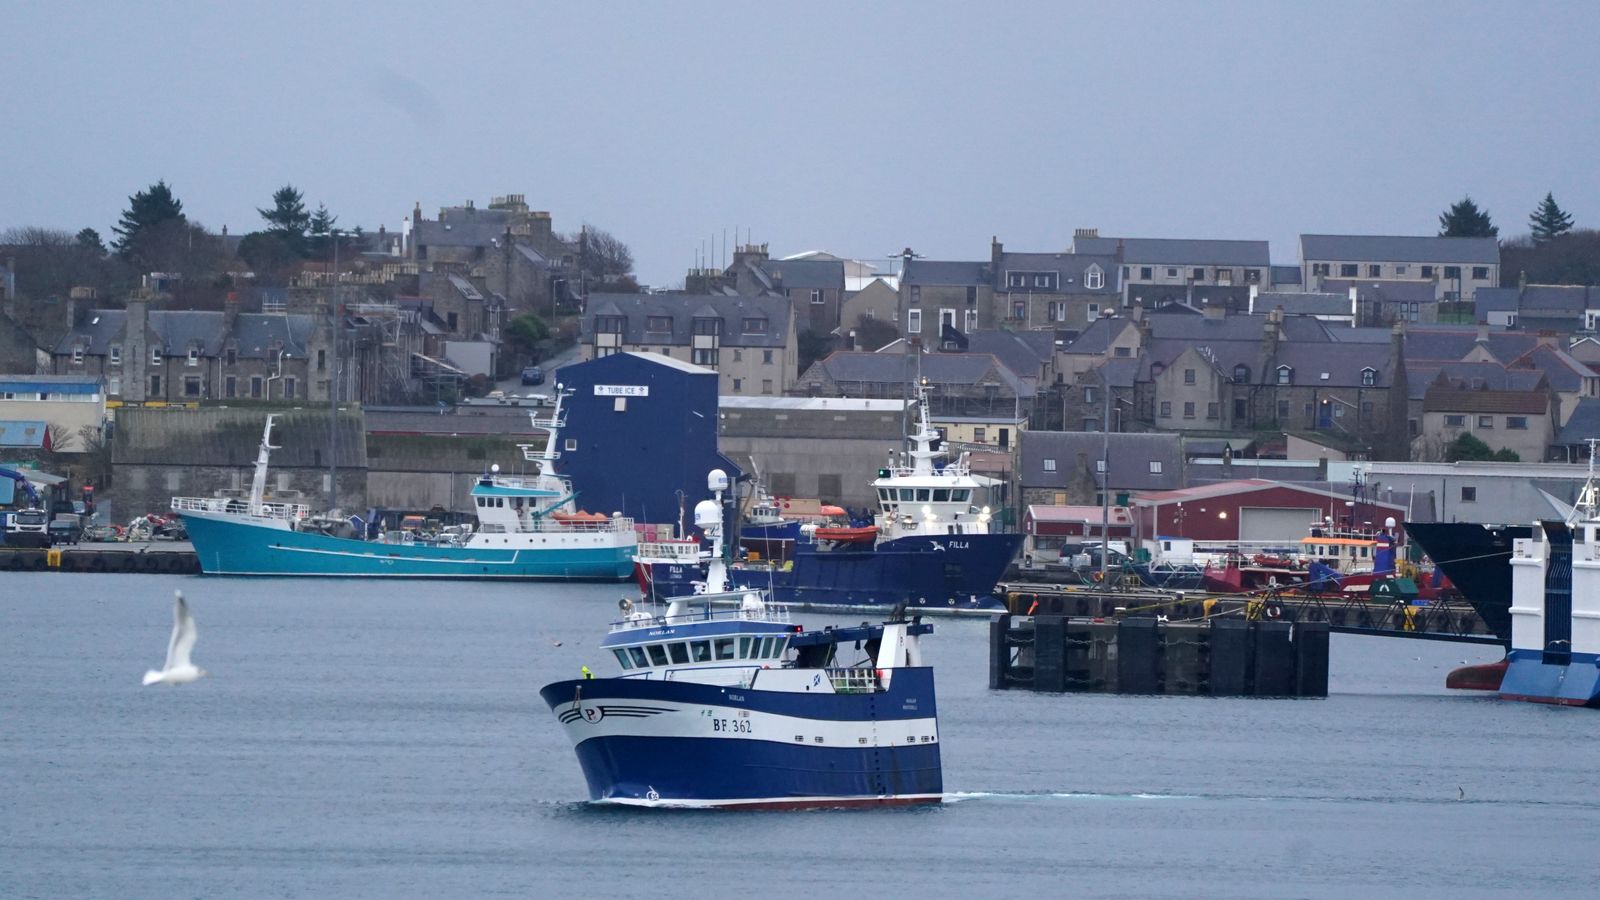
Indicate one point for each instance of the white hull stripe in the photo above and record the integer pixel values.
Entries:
(585, 720)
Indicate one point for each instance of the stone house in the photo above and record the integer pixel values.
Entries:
(963, 384)
(1562, 308)
(815, 287)
(1069, 468)
(936, 290)
(1522, 421)
(1456, 266)
(512, 249)
(1382, 303)
(1160, 262)
(176, 356)
(751, 342)
(877, 301)
(1047, 290)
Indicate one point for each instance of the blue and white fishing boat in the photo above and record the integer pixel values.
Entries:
(741, 708)
(528, 527)
(1555, 609)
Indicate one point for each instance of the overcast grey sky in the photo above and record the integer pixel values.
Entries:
(857, 128)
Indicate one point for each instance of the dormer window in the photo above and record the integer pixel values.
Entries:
(155, 355)
(659, 324)
(754, 326)
(707, 325)
(1369, 377)
(608, 324)
(77, 355)
(1241, 374)
(194, 357)
(1095, 278)
(1286, 375)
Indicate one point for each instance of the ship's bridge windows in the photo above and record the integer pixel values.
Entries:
(701, 650)
(960, 495)
(907, 495)
(679, 652)
(724, 648)
(922, 495)
(658, 655)
(941, 495)
(744, 647)
(638, 657)
(622, 658)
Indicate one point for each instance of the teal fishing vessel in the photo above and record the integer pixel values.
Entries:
(528, 527)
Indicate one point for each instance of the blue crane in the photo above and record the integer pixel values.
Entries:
(24, 484)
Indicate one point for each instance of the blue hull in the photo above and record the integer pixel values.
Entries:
(227, 547)
(779, 773)
(954, 572)
(1528, 677)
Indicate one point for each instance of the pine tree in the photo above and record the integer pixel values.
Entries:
(321, 226)
(146, 210)
(288, 218)
(89, 239)
(1464, 219)
(1549, 220)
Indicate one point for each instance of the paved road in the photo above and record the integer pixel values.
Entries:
(514, 385)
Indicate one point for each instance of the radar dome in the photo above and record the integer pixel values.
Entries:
(717, 480)
(707, 514)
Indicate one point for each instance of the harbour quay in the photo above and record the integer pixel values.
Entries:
(146, 558)
(1226, 657)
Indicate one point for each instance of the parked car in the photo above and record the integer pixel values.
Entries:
(533, 375)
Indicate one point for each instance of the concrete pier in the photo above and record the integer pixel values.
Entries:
(1141, 655)
(153, 557)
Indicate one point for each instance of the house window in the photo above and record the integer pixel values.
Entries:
(1166, 409)
(1452, 271)
(290, 386)
(1517, 422)
(1188, 376)
(613, 325)
(255, 387)
(1480, 273)
(1015, 279)
(1213, 411)
(1049, 464)
(115, 388)
(1241, 409)
(1285, 375)
(1093, 313)
(1399, 270)
(155, 385)
(916, 293)
(191, 386)
(1241, 374)
(451, 321)
(816, 295)
(766, 357)
(155, 356)
(1121, 351)
(1374, 271)
(738, 356)
(77, 356)
(972, 320)
(1455, 421)
(115, 354)
(1199, 274)
(1349, 270)
(972, 295)
(711, 325)
(766, 385)
(1427, 271)
(738, 385)
(1283, 411)
(1188, 410)
(231, 355)
(1146, 273)
(658, 323)
(1100, 466)
(1486, 421)
(705, 357)
(1252, 276)
(1019, 310)
(1369, 377)
(1469, 494)
(666, 351)
(979, 434)
(194, 357)
(1319, 268)
(1155, 467)
(1094, 279)
(914, 321)
(1172, 271)
(230, 386)
(1224, 276)
(1088, 395)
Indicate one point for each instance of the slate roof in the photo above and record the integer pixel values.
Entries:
(1392, 291)
(1286, 275)
(1099, 335)
(178, 330)
(1234, 296)
(1343, 364)
(1023, 352)
(1362, 335)
(480, 231)
(1486, 300)
(1449, 399)
(1564, 372)
(805, 274)
(1451, 344)
(1164, 352)
(1301, 303)
(1128, 465)
(1583, 424)
(1070, 269)
(1177, 252)
(954, 369)
(1565, 298)
(939, 272)
(1469, 376)
(1359, 247)
(1235, 328)
(638, 309)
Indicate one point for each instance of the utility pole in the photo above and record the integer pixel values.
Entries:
(1105, 472)
(333, 380)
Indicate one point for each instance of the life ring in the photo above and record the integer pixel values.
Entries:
(1273, 611)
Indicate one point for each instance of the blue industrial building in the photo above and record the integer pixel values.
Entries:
(641, 435)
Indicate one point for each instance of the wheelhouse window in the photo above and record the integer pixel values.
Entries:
(621, 654)
(679, 652)
(700, 651)
(639, 660)
(658, 655)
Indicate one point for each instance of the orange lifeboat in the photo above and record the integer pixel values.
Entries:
(845, 534)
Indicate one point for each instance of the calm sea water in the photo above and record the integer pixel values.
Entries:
(386, 740)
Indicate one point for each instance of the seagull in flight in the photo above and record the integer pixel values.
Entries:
(178, 670)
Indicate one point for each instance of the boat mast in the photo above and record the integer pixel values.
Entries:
(258, 483)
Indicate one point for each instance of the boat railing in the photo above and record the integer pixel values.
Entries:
(656, 617)
(235, 506)
(949, 468)
(854, 680)
(681, 551)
